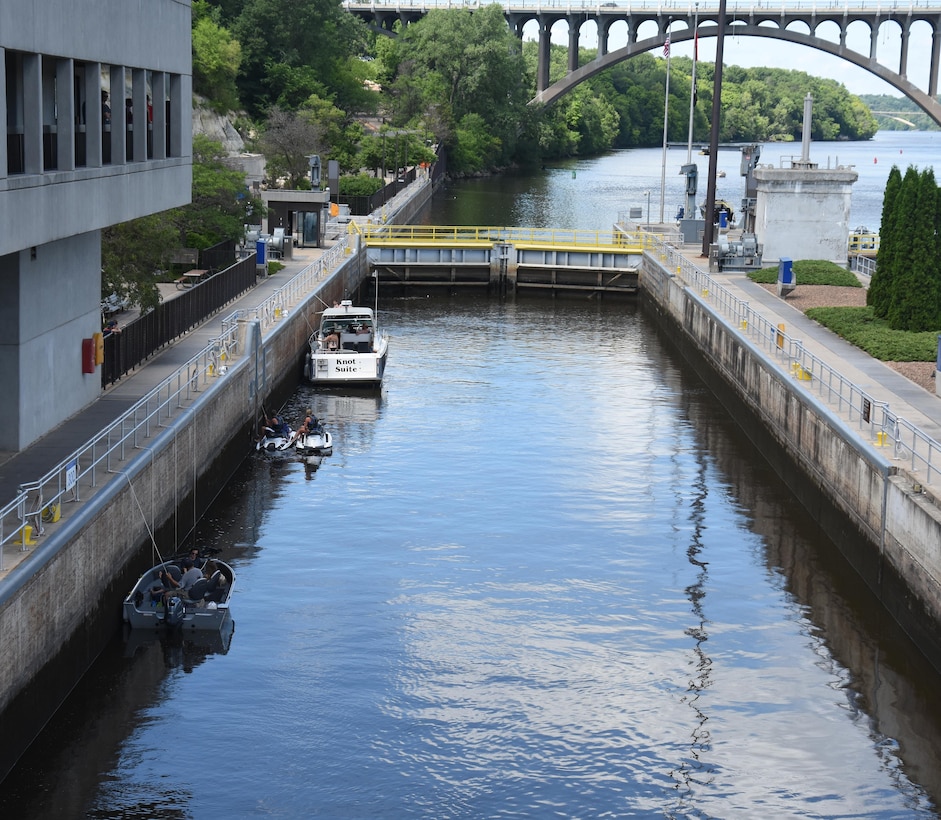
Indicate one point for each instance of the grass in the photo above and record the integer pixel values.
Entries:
(860, 327)
(810, 272)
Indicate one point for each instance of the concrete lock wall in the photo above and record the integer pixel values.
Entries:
(868, 507)
(59, 609)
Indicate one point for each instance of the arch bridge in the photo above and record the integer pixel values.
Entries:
(794, 21)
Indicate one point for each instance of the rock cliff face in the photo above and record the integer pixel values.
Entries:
(220, 129)
(214, 126)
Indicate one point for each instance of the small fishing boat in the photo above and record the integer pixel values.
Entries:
(204, 606)
(348, 348)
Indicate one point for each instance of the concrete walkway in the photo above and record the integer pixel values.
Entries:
(53, 448)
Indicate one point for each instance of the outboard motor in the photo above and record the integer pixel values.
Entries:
(173, 612)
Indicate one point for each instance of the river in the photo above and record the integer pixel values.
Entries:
(543, 574)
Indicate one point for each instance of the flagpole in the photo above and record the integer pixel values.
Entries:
(690, 209)
(692, 87)
(666, 111)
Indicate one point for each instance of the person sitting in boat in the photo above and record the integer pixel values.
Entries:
(194, 556)
(360, 329)
(181, 587)
(332, 340)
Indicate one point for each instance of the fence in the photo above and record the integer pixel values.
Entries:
(140, 339)
(95, 462)
(909, 444)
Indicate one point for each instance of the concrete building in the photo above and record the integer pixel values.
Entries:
(801, 210)
(97, 102)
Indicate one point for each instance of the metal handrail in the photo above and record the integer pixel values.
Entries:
(908, 442)
(81, 472)
(613, 240)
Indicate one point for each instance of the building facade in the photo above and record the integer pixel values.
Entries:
(97, 101)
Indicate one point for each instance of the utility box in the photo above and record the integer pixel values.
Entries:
(786, 280)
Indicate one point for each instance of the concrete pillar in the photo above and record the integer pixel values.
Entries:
(935, 60)
(3, 107)
(573, 44)
(32, 114)
(93, 115)
(65, 115)
(159, 91)
(118, 118)
(542, 74)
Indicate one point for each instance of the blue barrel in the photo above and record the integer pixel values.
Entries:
(785, 271)
(723, 218)
(260, 248)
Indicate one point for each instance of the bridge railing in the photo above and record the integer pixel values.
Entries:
(673, 8)
(615, 240)
(907, 441)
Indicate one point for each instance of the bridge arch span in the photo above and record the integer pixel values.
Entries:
(743, 29)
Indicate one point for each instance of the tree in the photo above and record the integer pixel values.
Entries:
(216, 59)
(879, 294)
(287, 141)
(294, 48)
(464, 63)
(132, 252)
(915, 303)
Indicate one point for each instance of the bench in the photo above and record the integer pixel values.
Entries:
(190, 278)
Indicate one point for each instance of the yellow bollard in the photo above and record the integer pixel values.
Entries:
(781, 335)
(277, 313)
(881, 439)
(26, 537)
(744, 324)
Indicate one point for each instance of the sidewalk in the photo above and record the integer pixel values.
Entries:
(906, 399)
(57, 445)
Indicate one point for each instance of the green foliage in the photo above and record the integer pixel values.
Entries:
(475, 147)
(915, 296)
(294, 48)
(131, 255)
(216, 59)
(133, 252)
(359, 185)
(810, 272)
(862, 328)
(897, 113)
(462, 74)
(879, 294)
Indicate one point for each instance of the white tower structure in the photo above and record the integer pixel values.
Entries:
(802, 210)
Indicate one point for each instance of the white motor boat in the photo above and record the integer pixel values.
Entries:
(348, 348)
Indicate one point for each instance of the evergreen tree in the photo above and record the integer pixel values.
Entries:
(880, 288)
(907, 232)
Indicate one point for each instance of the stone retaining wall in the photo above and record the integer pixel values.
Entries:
(870, 508)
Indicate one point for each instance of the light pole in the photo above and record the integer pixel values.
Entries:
(647, 194)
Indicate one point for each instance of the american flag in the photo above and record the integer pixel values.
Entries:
(666, 47)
